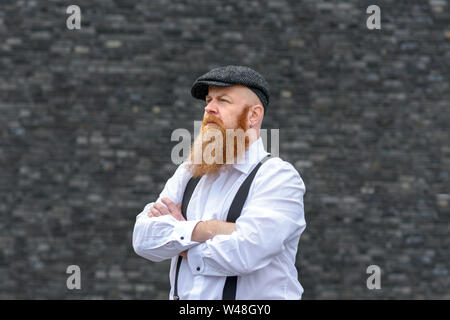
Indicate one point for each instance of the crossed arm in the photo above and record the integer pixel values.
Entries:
(272, 219)
(204, 230)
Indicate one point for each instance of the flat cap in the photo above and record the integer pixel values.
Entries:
(230, 76)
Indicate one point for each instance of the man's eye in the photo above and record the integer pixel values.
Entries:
(224, 100)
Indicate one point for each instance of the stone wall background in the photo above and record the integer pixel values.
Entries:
(86, 117)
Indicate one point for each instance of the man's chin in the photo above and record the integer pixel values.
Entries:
(199, 170)
(201, 164)
(211, 124)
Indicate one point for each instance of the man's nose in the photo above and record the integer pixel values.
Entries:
(211, 108)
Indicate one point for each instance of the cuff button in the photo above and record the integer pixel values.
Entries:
(198, 268)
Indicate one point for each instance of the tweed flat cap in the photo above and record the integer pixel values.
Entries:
(230, 76)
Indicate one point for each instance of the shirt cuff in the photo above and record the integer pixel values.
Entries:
(183, 232)
(195, 259)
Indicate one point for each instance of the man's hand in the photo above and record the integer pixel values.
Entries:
(184, 254)
(172, 209)
(204, 230)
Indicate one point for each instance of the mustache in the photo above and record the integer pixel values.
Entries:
(210, 118)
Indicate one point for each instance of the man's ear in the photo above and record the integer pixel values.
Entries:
(255, 114)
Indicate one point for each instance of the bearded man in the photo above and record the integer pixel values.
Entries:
(231, 216)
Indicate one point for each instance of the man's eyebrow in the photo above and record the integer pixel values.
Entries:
(219, 96)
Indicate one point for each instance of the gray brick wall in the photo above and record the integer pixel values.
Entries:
(86, 117)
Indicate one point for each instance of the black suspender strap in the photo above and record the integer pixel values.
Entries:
(229, 290)
(239, 199)
(192, 183)
(175, 288)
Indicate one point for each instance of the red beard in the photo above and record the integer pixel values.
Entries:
(209, 150)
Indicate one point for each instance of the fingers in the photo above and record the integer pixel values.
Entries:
(174, 209)
(184, 254)
(153, 213)
(162, 209)
(170, 204)
(178, 216)
(157, 210)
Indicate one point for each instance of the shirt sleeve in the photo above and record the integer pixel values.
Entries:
(273, 214)
(163, 237)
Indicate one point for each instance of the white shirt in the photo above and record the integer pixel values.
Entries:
(262, 250)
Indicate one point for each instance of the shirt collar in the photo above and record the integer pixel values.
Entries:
(254, 154)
